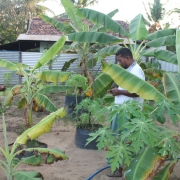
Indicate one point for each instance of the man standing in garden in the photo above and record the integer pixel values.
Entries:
(125, 59)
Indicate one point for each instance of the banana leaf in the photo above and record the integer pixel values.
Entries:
(50, 53)
(164, 173)
(102, 19)
(22, 103)
(137, 28)
(43, 126)
(32, 160)
(100, 86)
(8, 65)
(160, 54)
(144, 164)
(53, 76)
(131, 82)
(58, 155)
(102, 53)
(92, 37)
(178, 48)
(60, 26)
(9, 97)
(45, 102)
(71, 11)
(31, 175)
(98, 26)
(67, 64)
(171, 87)
(162, 41)
(54, 89)
(161, 33)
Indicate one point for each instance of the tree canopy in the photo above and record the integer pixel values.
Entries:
(15, 16)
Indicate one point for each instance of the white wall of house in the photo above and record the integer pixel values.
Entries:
(45, 45)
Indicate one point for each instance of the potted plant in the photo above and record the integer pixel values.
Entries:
(75, 94)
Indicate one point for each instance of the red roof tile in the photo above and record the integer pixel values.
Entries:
(39, 27)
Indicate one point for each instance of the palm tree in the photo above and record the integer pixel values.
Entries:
(155, 13)
(83, 3)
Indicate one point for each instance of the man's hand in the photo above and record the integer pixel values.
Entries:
(114, 91)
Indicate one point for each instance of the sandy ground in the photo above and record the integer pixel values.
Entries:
(81, 164)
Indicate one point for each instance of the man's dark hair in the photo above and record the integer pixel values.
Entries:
(124, 52)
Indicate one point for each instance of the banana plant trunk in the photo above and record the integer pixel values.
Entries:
(29, 112)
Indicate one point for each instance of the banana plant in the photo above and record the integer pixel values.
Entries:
(35, 90)
(11, 163)
(86, 47)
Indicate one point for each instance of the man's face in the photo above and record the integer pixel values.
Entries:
(123, 61)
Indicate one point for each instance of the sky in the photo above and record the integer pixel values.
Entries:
(128, 9)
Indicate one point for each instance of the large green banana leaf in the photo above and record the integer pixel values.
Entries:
(161, 33)
(163, 41)
(172, 87)
(31, 175)
(160, 54)
(137, 28)
(71, 11)
(60, 26)
(178, 48)
(92, 37)
(45, 102)
(100, 85)
(54, 89)
(102, 19)
(50, 53)
(98, 26)
(43, 126)
(53, 76)
(164, 173)
(102, 53)
(144, 164)
(131, 82)
(8, 65)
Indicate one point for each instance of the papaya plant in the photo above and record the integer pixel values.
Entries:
(32, 91)
(11, 162)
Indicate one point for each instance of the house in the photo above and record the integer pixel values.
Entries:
(41, 35)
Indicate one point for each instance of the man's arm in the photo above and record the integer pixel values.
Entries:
(116, 92)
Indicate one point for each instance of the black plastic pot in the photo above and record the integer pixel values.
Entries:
(81, 137)
(70, 103)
